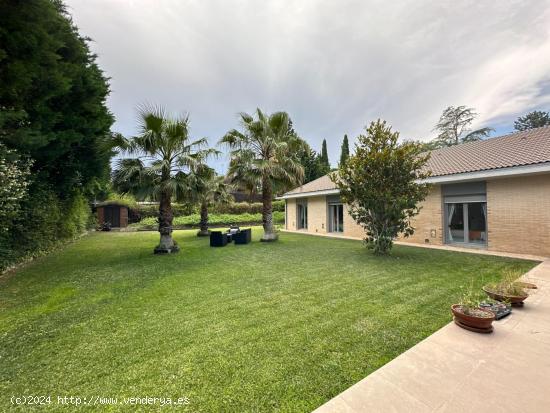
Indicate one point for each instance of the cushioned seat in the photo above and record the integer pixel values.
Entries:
(244, 236)
(218, 239)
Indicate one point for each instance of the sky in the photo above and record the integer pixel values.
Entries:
(334, 66)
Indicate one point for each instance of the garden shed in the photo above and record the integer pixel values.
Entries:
(115, 214)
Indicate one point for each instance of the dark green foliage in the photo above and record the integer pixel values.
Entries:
(324, 156)
(53, 111)
(43, 222)
(310, 160)
(344, 152)
(380, 185)
(534, 119)
(53, 99)
(313, 166)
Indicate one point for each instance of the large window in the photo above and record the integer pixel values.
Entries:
(335, 217)
(465, 213)
(302, 214)
(467, 222)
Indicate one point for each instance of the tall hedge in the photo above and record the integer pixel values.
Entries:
(53, 113)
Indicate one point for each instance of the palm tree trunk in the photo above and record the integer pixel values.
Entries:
(167, 244)
(203, 232)
(267, 210)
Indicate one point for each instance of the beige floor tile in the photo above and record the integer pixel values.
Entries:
(469, 343)
(431, 372)
(375, 394)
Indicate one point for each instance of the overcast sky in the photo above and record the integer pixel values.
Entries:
(333, 65)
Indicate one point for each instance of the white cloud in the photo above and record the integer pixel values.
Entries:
(333, 66)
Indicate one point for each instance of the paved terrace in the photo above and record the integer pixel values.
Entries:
(455, 370)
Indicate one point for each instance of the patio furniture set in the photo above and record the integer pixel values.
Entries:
(233, 234)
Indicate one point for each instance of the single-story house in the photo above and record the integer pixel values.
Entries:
(492, 194)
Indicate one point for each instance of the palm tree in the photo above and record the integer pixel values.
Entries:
(163, 156)
(207, 189)
(264, 154)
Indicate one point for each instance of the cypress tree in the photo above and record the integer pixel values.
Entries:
(324, 155)
(344, 152)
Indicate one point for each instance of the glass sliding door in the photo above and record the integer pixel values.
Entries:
(466, 223)
(455, 222)
(336, 218)
(477, 223)
(302, 215)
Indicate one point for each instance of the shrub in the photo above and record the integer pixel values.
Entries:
(152, 210)
(76, 217)
(193, 220)
(247, 208)
(234, 208)
(42, 223)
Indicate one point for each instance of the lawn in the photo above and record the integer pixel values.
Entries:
(260, 327)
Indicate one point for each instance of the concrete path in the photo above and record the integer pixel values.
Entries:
(455, 370)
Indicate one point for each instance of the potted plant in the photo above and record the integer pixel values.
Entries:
(526, 285)
(468, 315)
(508, 290)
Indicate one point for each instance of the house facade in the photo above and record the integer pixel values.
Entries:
(492, 194)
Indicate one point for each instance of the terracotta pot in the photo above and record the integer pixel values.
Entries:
(513, 299)
(478, 323)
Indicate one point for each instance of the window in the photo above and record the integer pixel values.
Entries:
(335, 217)
(465, 213)
(467, 222)
(302, 215)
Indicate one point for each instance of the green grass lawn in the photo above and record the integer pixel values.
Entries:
(261, 327)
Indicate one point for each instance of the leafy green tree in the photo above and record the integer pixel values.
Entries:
(52, 99)
(324, 156)
(264, 154)
(380, 183)
(311, 162)
(344, 152)
(164, 155)
(534, 119)
(207, 189)
(454, 127)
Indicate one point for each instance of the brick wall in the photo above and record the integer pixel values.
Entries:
(429, 219)
(290, 215)
(317, 214)
(428, 223)
(352, 228)
(518, 214)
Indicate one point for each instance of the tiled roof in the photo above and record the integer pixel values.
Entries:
(320, 184)
(517, 149)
